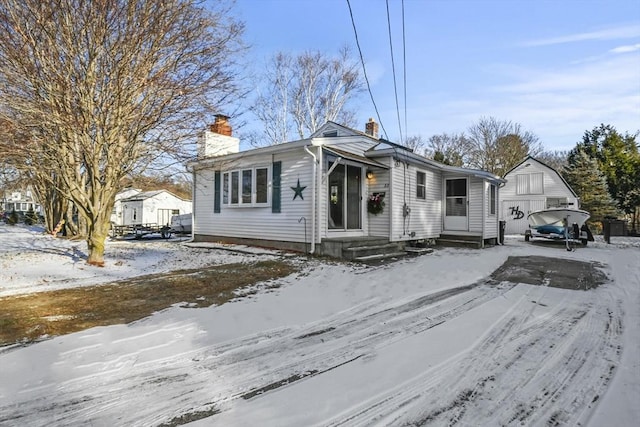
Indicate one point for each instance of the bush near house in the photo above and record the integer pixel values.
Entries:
(13, 218)
(30, 217)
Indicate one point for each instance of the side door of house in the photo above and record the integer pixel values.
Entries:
(456, 212)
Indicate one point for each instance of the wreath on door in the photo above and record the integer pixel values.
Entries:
(375, 204)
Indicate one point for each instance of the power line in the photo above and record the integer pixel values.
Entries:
(404, 69)
(393, 70)
(364, 70)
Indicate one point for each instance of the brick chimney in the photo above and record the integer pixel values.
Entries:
(218, 139)
(371, 128)
(221, 126)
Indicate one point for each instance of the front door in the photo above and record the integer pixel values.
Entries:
(345, 198)
(456, 205)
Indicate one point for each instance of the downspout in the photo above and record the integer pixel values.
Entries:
(313, 200)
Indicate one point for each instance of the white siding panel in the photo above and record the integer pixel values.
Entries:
(260, 222)
(425, 215)
(476, 201)
(491, 221)
(379, 224)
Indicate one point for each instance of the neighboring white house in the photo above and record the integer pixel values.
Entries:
(20, 201)
(311, 192)
(135, 207)
(531, 186)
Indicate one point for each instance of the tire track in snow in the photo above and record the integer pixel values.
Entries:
(547, 369)
(211, 377)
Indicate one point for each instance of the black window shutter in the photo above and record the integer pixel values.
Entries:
(216, 192)
(275, 195)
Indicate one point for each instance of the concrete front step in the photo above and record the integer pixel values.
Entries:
(380, 257)
(459, 243)
(417, 251)
(356, 252)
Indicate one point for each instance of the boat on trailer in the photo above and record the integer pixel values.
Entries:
(560, 224)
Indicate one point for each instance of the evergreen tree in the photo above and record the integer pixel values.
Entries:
(619, 160)
(586, 179)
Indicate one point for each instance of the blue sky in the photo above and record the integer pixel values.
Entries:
(558, 68)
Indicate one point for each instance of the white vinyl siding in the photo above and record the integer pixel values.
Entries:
(424, 220)
(477, 205)
(260, 222)
(379, 224)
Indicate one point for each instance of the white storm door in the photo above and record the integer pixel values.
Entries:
(456, 215)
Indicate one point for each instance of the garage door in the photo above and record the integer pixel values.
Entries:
(515, 212)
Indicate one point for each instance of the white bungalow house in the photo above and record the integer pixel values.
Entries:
(19, 201)
(314, 194)
(135, 207)
(531, 186)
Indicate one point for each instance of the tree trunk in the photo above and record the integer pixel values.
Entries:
(96, 237)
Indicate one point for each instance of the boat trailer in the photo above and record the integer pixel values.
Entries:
(140, 230)
(572, 235)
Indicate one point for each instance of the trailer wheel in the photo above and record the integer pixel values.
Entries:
(584, 242)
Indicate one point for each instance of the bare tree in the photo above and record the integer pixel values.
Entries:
(447, 148)
(497, 146)
(104, 88)
(272, 106)
(415, 143)
(298, 94)
(557, 159)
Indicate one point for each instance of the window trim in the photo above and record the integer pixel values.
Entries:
(228, 191)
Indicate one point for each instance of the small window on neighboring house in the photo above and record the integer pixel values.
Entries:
(557, 202)
(175, 212)
(492, 199)
(530, 183)
(536, 186)
(330, 133)
(421, 185)
(135, 214)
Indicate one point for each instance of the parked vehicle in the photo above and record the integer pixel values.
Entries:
(181, 224)
(559, 223)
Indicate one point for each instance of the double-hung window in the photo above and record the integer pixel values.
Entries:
(246, 187)
(492, 199)
(421, 185)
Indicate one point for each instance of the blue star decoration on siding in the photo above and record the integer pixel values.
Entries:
(297, 191)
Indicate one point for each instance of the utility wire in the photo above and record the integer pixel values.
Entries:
(364, 70)
(404, 69)
(393, 69)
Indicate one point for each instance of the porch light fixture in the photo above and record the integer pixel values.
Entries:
(369, 174)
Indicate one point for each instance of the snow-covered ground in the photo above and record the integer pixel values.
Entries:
(423, 341)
